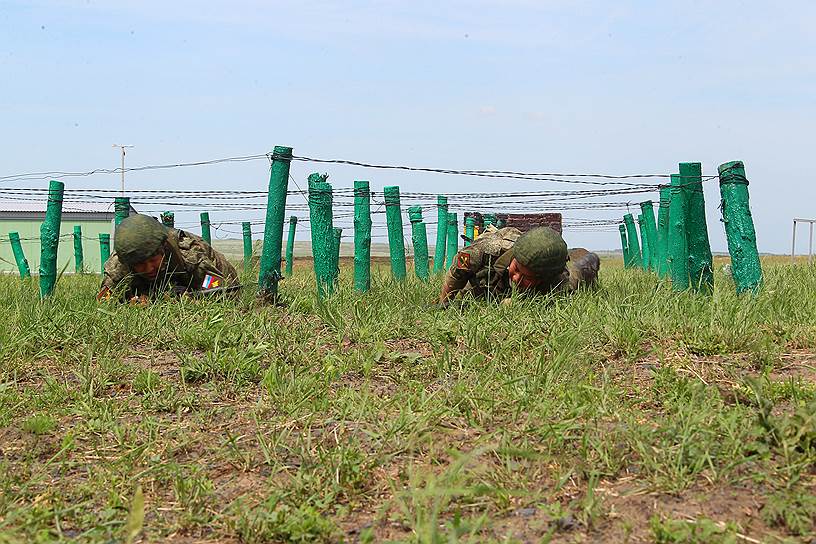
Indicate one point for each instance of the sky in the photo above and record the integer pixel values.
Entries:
(626, 87)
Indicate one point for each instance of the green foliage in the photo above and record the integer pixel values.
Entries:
(377, 416)
(40, 424)
(700, 531)
(793, 509)
(275, 520)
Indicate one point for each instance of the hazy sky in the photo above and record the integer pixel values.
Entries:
(594, 86)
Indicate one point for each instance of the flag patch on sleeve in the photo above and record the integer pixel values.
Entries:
(211, 282)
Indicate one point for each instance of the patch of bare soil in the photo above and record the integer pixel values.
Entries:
(799, 364)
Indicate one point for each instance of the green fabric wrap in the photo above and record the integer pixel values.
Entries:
(542, 250)
(138, 238)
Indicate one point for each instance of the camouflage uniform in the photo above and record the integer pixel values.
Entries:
(482, 268)
(188, 262)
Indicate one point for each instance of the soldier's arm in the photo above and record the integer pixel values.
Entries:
(117, 280)
(207, 261)
(462, 270)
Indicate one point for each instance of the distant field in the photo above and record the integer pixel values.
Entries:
(625, 414)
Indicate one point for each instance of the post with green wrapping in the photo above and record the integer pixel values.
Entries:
(489, 219)
(320, 221)
(663, 231)
(453, 239)
(362, 236)
(632, 242)
(79, 265)
(49, 238)
(441, 233)
(470, 227)
(645, 249)
(701, 266)
(337, 235)
(104, 250)
(205, 227)
(246, 231)
(677, 250)
(396, 243)
(121, 209)
(419, 238)
(624, 246)
(270, 265)
(647, 208)
(168, 219)
(290, 245)
(19, 255)
(739, 227)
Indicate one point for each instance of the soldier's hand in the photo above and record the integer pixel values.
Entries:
(140, 300)
(104, 294)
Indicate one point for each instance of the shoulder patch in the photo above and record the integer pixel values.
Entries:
(463, 261)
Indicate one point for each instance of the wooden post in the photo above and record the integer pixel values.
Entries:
(362, 236)
(701, 267)
(290, 246)
(270, 265)
(19, 255)
(739, 227)
(441, 234)
(419, 238)
(396, 243)
(79, 266)
(49, 238)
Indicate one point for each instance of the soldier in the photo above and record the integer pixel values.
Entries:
(150, 259)
(536, 261)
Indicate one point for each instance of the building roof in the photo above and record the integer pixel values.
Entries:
(35, 208)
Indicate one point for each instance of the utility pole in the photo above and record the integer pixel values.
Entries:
(123, 147)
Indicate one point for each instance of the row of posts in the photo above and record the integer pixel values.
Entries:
(325, 236)
(676, 246)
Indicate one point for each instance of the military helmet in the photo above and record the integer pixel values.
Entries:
(542, 250)
(138, 238)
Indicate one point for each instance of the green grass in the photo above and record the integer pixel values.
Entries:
(628, 412)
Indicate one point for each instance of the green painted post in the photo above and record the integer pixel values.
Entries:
(489, 219)
(645, 247)
(78, 257)
(362, 236)
(290, 246)
(470, 226)
(121, 209)
(396, 243)
(19, 255)
(419, 238)
(633, 244)
(270, 266)
(104, 250)
(647, 208)
(168, 219)
(453, 239)
(624, 246)
(739, 227)
(205, 227)
(441, 233)
(337, 235)
(320, 222)
(677, 252)
(663, 232)
(49, 238)
(246, 231)
(701, 266)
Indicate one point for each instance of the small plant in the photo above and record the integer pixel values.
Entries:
(700, 531)
(793, 509)
(40, 424)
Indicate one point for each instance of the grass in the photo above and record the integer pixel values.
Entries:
(629, 413)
